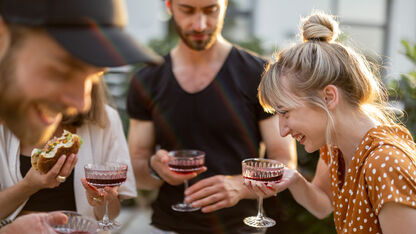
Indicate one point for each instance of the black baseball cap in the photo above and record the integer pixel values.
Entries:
(90, 30)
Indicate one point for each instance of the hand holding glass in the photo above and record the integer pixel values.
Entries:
(257, 170)
(106, 175)
(185, 162)
(77, 224)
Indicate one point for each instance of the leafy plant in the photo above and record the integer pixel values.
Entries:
(403, 89)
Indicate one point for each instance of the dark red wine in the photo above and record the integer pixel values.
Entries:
(105, 182)
(266, 179)
(185, 169)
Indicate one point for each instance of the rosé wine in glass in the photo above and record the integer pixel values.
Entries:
(185, 162)
(258, 170)
(110, 174)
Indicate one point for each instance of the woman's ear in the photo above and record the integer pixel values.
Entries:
(168, 5)
(330, 94)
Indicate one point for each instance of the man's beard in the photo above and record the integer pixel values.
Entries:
(198, 44)
(14, 106)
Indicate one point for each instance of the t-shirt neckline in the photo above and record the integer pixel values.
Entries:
(220, 71)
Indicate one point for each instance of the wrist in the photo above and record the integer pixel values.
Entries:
(298, 179)
(152, 172)
(244, 192)
(28, 186)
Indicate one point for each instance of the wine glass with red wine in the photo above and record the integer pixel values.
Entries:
(109, 174)
(185, 162)
(259, 170)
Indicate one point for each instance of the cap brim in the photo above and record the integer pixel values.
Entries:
(104, 47)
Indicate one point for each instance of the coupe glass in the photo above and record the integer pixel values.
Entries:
(109, 174)
(77, 224)
(185, 162)
(257, 170)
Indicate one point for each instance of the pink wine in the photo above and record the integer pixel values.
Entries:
(106, 182)
(266, 179)
(185, 169)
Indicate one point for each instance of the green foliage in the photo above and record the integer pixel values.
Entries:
(403, 89)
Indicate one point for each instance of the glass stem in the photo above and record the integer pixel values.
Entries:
(105, 217)
(259, 208)
(186, 187)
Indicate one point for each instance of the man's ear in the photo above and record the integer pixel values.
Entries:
(168, 5)
(330, 94)
(4, 37)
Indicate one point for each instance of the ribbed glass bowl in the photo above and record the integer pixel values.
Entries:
(77, 224)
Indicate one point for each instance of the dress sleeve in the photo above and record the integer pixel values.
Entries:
(390, 176)
(324, 154)
(117, 150)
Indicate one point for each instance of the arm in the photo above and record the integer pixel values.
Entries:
(220, 191)
(315, 196)
(391, 222)
(141, 146)
(12, 197)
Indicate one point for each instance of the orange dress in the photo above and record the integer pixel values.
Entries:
(383, 169)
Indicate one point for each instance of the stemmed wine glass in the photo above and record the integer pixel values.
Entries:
(185, 162)
(109, 174)
(258, 170)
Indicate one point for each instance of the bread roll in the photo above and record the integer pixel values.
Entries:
(44, 159)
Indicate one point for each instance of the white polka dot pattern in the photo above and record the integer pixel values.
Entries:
(383, 169)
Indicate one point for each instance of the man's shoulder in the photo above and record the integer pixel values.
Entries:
(250, 57)
(153, 70)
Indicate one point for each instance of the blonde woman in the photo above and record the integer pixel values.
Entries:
(328, 98)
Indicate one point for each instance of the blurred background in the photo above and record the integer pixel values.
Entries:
(384, 30)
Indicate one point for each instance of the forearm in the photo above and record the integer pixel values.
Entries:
(142, 173)
(12, 197)
(311, 197)
(112, 212)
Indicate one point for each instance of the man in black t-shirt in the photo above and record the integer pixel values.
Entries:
(203, 97)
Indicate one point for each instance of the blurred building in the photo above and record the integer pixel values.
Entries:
(375, 27)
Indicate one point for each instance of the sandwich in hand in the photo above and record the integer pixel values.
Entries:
(44, 159)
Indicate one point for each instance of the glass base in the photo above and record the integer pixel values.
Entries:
(107, 226)
(183, 207)
(258, 222)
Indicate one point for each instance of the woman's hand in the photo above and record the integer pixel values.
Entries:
(96, 197)
(269, 189)
(63, 168)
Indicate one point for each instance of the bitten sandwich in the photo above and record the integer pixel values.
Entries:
(44, 159)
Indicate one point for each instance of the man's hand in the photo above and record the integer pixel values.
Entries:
(216, 192)
(159, 163)
(35, 223)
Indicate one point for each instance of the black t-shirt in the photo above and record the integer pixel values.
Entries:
(58, 198)
(221, 120)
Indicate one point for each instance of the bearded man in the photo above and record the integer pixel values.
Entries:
(203, 97)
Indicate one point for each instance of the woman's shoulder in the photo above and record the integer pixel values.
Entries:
(111, 112)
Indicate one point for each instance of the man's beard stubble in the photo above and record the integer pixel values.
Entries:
(14, 106)
(198, 45)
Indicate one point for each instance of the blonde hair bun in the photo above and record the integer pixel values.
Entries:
(319, 26)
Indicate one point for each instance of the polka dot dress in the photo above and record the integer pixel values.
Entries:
(382, 170)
